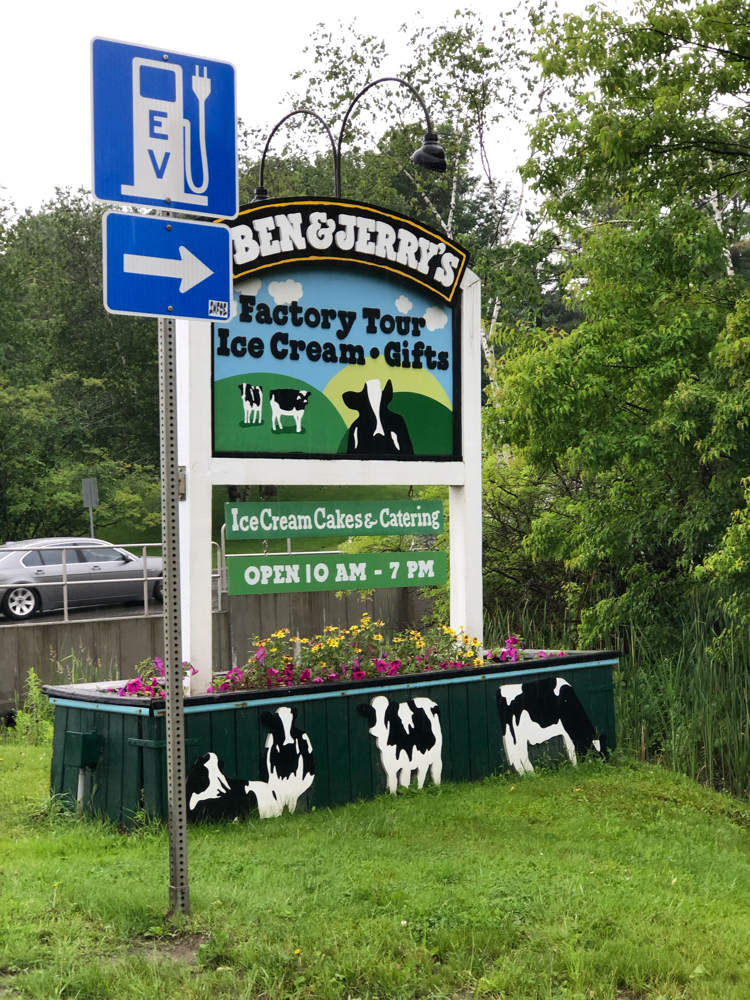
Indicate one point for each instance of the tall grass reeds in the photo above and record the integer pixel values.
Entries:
(689, 707)
(682, 700)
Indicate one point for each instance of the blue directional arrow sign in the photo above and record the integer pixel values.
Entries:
(164, 129)
(161, 267)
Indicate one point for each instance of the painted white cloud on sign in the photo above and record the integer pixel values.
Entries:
(403, 304)
(284, 293)
(250, 286)
(436, 318)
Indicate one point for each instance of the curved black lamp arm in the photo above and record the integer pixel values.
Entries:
(277, 126)
(383, 79)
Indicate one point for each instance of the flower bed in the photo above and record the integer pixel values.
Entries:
(357, 653)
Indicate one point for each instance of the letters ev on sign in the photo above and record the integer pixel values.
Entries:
(164, 129)
(161, 267)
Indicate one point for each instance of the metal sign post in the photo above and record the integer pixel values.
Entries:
(90, 499)
(179, 890)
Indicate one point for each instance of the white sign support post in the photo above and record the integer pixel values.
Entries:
(464, 479)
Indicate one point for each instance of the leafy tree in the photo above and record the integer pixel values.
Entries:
(647, 110)
(78, 391)
(637, 410)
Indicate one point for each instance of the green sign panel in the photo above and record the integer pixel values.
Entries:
(300, 520)
(307, 571)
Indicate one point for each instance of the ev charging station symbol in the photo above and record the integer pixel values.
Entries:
(164, 129)
(162, 146)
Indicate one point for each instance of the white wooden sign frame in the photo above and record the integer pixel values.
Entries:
(464, 479)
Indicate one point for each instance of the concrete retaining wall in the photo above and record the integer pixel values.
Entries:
(96, 648)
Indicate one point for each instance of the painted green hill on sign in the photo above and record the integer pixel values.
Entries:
(322, 429)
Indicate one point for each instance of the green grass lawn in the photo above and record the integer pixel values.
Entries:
(602, 882)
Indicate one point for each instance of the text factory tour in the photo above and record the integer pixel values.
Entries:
(285, 345)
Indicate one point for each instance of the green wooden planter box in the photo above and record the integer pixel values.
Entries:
(131, 771)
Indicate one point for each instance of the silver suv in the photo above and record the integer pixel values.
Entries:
(31, 575)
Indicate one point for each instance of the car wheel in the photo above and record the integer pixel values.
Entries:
(159, 591)
(20, 603)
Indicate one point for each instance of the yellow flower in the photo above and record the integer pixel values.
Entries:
(380, 624)
(397, 639)
(378, 637)
(330, 628)
(334, 642)
(420, 644)
(477, 661)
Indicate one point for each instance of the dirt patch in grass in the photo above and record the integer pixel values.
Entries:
(176, 949)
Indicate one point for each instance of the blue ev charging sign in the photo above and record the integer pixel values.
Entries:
(164, 129)
(162, 267)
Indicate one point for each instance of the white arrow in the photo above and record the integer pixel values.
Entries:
(188, 268)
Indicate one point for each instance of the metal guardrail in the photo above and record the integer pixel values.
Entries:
(218, 574)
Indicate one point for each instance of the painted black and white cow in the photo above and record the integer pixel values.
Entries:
(252, 402)
(211, 795)
(288, 403)
(533, 713)
(287, 770)
(409, 738)
(377, 430)
(287, 765)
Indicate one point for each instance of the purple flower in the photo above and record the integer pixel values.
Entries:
(261, 655)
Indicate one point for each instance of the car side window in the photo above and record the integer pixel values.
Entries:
(32, 558)
(53, 557)
(100, 555)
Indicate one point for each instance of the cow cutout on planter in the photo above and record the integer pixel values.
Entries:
(377, 430)
(287, 771)
(533, 713)
(287, 766)
(409, 738)
(211, 795)
(252, 402)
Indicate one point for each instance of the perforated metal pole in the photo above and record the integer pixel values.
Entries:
(179, 890)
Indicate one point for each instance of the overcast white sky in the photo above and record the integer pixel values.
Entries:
(44, 70)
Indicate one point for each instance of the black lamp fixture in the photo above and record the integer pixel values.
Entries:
(430, 155)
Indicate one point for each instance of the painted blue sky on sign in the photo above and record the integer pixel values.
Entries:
(343, 290)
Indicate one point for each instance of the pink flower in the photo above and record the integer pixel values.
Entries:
(304, 677)
(380, 665)
(561, 653)
(333, 676)
(394, 667)
(211, 690)
(317, 680)
(261, 655)
(542, 654)
(271, 672)
(358, 675)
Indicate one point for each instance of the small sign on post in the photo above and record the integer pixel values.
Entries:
(90, 499)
